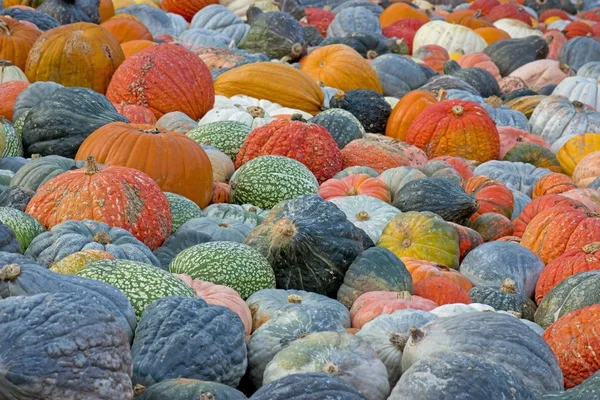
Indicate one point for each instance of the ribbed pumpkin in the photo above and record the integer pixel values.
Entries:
(577, 28)
(525, 105)
(534, 154)
(540, 204)
(441, 291)
(587, 170)
(16, 39)
(174, 161)
(433, 56)
(9, 91)
(492, 196)
(485, 6)
(399, 11)
(553, 231)
(570, 263)
(276, 82)
(457, 128)
(164, 78)
(135, 46)
(511, 11)
(121, 197)
(341, 67)
(468, 239)
(75, 262)
(80, 54)
(554, 183)
(354, 185)
(575, 149)
(492, 34)
(186, 8)
(492, 226)
(575, 341)
(588, 196)
(126, 30)
(469, 18)
(136, 114)
(511, 137)
(370, 305)
(406, 110)
(422, 269)
(480, 60)
(308, 143)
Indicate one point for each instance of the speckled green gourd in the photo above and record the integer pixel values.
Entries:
(226, 263)
(267, 180)
(226, 136)
(13, 145)
(142, 283)
(25, 226)
(182, 210)
(18, 125)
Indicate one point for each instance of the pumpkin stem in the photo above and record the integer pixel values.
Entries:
(403, 295)
(10, 272)
(102, 238)
(294, 299)
(331, 369)
(297, 117)
(4, 28)
(5, 63)
(297, 50)
(224, 225)
(399, 340)
(508, 286)
(90, 166)
(284, 230)
(363, 216)
(494, 101)
(564, 68)
(441, 95)
(255, 111)
(36, 155)
(371, 55)
(549, 39)
(591, 247)
(352, 192)
(207, 396)
(416, 334)
(339, 95)
(579, 107)
(458, 110)
(477, 14)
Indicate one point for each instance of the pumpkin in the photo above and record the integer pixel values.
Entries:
(356, 170)
(221, 164)
(579, 51)
(540, 73)
(70, 11)
(369, 45)
(588, 196)
(451, 37)
(398, 74)
(557, 40)
(479, 60)
(16, 40)
(511, 54)
(42, 20)
(432, 55)
(515, 175)
(441, 291)
(108, 145)
(369, 306)
(525, 105)
(570, 263)
(575, 149)
(285, 85)
(321, 154)
(181, 388)
(75, 262)
(341, 125)
(574, 342)
(554, 183)
(492, 226)
(368, 106)
(505, 298)
(92, 68)
(288, 221)
(404, 30)
(319, 19)
(468, 239)
(186, 9)
(540, 204)
(534, 154)
(157, 21)
(469, 18)
(353, 185)
(399, 11)
(307, 385)
(121, 197)
(422, 269)
(136, 82)
(9, 92)
(125, 30)
(512, 11)
(492, 34)
(586, 170)
(136, 114)
(517, 29)
(132, 47)
(577, 228)
(422, 236)
(40, 170)
(511, 137)
(457, 128)
(10, 72)
(396, 178)
(353, 20)
(581, 89)
(404, 113)
(492, 196)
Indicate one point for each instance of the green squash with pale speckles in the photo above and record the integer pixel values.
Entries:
(182, 210)
(25, 226)
(227, 136)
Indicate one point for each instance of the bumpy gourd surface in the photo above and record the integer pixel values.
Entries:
(182, 210)
(25, 226)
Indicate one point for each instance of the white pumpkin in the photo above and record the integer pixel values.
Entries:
(179, 23)
(367, 213)
(577, 88)
(239, 7)
(10, 72)
(516, 29)
(453, 37)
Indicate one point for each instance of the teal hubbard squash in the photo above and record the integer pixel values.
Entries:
(121, 197)
(164, 78)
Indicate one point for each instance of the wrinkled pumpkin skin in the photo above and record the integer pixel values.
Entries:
(185, 389)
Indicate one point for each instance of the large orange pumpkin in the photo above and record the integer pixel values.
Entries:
(354, 185)
(9, 91)
(553, 231)
(492, 196)
(553, 183)
(135, 46)
(422, 269)
(441, 291)
(341, 67)
(164, 78)
(80, 54)
(456, 128)
(370, 305)
(126, 30)
(469, 18)
(121, 197)
(405, 111)
(174, 161)
(540, 204)
(186, 8)
(16, 40)
(399, 11)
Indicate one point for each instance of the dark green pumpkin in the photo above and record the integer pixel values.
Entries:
(505, 298)
(534, 154)
(40, 170)
(479, 78)
(16, 197)
(448, 82)
(309, 243)
(574, 293)
(42, 20)
(312, 36)
(8, 240)
(190, 389)
(368, 45)
(441, 196)
(341, 125)
(588, 390)
(276, 34)
(579, 51)
(61, 122)
(510, 54)
(376, 269)
(368, 106)
(32, 95)
(71, 11)
(308, 386)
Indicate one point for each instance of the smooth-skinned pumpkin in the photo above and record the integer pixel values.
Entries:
(405, 111)
(16, 40)
(354, 185)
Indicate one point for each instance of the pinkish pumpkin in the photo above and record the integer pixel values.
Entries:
(480, 60)
(540, 73)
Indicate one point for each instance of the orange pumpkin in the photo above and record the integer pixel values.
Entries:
(492, 35)
(468, 239)
(341, 67)
(136, 114)
(80, 54)
(399, 11)
(492, 226)
(370, 305)
(441, 291)
(480, 60)
(469, 18)
(126, 30)
(553, 231)
(587, 170)
(553, 183)
(354, 185)
(589, 197)
(121, 197)
(9, 91)
(216, 57)
(406, 110)
(456, 128)
(485, 6)
(174, 161)
(186, 8)
(221, 193)
(164, 78)
(106, 10)
(422, 269)
(577, 28)
(16, 40)
(540, 204)
(135, 46)
(433, 56)
(492, 196)
(381, 155)
(571, 262)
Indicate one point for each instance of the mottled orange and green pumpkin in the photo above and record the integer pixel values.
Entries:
(80, 54)
(354, 185)
(164, 78)
(177, 163)
(534, 154)
(121, 197)
(468, 239)
(407, 109)
(554, 183)
(492, 226)
(455, 128)
(16, 40)
(492, 196)
(75, 262)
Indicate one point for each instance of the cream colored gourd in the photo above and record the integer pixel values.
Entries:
(452, 37)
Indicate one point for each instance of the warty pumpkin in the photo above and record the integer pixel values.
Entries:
(575, 149)
(354, 185)
(381, 153)
(81, 54)
(276, 82)
(9, 91)
(587, 170)
(492, 196)
(554, 183)
(16, 40)
(457, 128)
(540, 204)
(340, 67)
(441, 291)
(125, 30)
(120, 197)
(407, 109)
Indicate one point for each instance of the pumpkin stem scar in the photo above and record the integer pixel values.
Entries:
(102, 238)
(207, 396)
(362, 216)
(297, 50)
(508, 286)
(10, 272)
(255, 111)
(457, 110)
(90, 166)
(399, 340)
(139, 389)
(294, 298)
(331, 369)
(416, 334)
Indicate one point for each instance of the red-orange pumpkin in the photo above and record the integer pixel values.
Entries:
(480, 60)
(492, 226)
(9, 91)
(423, 269)
(577, 28)
(121, 197)
(441, 291)
(510, 137)
(16, 39)
(354, 185)
(164, 78)
(221, 193)
(382, 155)
(433, 56)
(174, 161)
(468, 239)
(370, 305)
(512, 11)
(186, 8)
(485, 6)
(553, 183)
(469, 18)
(540, 204)
(493, 196)
(407, 109)
(126, 30)
(135, 46)
(136, 114)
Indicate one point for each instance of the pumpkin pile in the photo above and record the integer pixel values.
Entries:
(310, 200)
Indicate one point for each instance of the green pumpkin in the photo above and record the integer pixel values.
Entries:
(40, 170)
(534, 154)
(341, 125)
(246, 213)
(25, 226)
(506, 299)
(227, 136)
(10, 142)
(182, 210)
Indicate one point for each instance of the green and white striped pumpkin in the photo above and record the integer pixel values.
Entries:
(227, 136)
(25, 226)
(182, 210)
